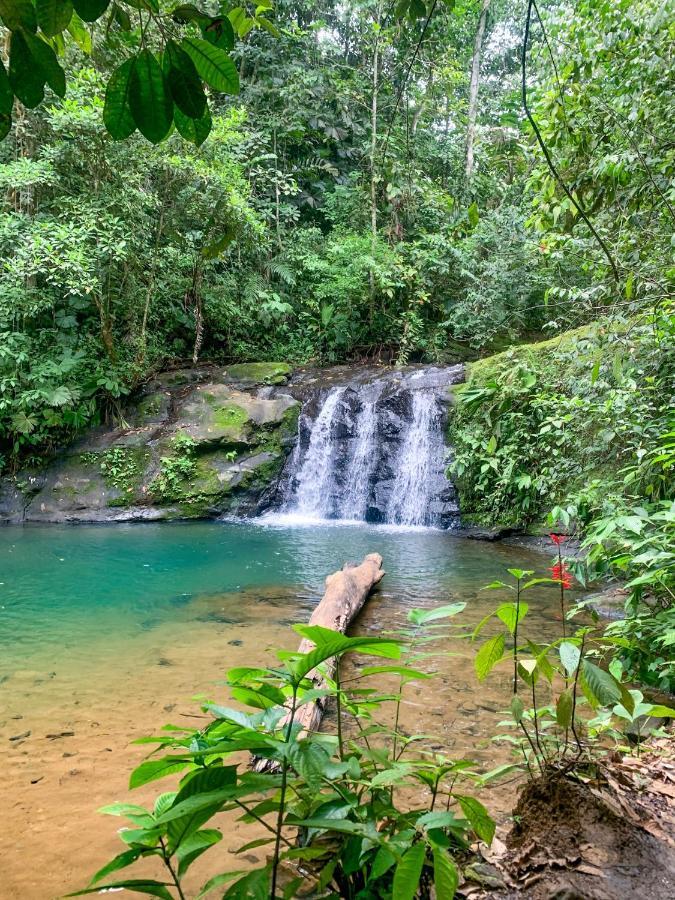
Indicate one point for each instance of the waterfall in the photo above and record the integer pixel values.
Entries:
(373, 450)
(362, 461)
(315, 480)
(420, 451)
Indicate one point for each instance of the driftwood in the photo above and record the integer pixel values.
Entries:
(346, 592)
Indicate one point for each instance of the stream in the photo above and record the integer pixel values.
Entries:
(107, 633)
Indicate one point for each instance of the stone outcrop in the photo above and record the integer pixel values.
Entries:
(196, 443)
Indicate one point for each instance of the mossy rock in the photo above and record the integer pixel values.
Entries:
(258, 373)
(219, 415)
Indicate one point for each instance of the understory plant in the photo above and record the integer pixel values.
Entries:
(331, 806)
(553, 681)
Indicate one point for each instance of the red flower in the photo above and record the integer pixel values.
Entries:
(562, 574)
(558, 539)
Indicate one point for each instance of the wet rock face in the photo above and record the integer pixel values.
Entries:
(208, 441)
(196, 443)
(371, 447)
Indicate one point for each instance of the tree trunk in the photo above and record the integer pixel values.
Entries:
(346, 592)
(473, 89)
(373, 152)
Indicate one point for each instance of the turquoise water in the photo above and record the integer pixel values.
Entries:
(108, 632)
(65, 587)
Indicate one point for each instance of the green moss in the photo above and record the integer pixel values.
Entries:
(260, 372)
(230, 416)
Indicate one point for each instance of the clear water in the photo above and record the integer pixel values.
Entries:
(67, 590)
(108, 633)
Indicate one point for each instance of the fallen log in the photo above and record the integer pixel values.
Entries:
(346, 592)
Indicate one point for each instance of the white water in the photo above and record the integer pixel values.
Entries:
(353, 501)
(419, 454)
(367, 459)
(315, 477)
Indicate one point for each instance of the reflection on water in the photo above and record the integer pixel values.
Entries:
(106, 633)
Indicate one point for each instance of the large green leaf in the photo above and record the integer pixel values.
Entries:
(152, 769)
(90, 10)
(601, 684)
(213, 64)
(489, 655)
(193, 847)
(408, 871)
(121, 861)
(26, 78)
(18, 14)
(53, 15)
(253, 886)
(422, 616)
(219, 32)
(45, 58)
(512, 614)
(149, 98)
(480, 819)
(198, 786)
(6, 92)
(184, 82)
(195, 130)
(117, 115)
(446, 876)
(570, 655)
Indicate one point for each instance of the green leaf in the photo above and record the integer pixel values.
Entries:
(121, 861)
(660, 711)
(406, 672)
(5, 128)
(194, 846)
(152, 769)
(601, 684)
(45, 58)
(90, 10)
(563, 709)
(194, 130)
(512, 614)
(213, 64)
(383, 861)
(80, 34)
(200, 789)
(219, 32)
(141, 886)
(18, 14)
(53, 15)
(26, 78)
(481, 821)
(472, 213)
(117, 115)
(408, 871)
(517, 708)
(6, 92)
(489, 655)
(184, 82)
(569, 657)
(446, 876)
(149, 98)
(253, 886)
(422, 616)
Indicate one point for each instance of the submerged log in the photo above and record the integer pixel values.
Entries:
(346, 592)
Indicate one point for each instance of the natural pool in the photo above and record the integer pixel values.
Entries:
(108, 632)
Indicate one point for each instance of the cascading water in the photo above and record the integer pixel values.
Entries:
(420, 452)
(373, 450)
(353, 502)
(313, 496)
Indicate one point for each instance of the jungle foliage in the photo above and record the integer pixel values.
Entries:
(327, 215)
